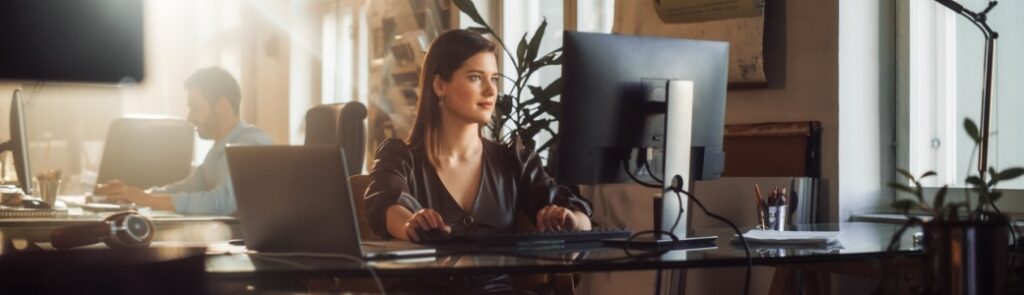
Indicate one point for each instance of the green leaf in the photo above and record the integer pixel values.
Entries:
(547, 145)
(1010, 173)
(521, 52)
(976, 181)
(536, 92)
(972, 130)
(535, 41)
(546, 94)
(552, 58)
(553, 108)
(926, 174)
(467, 7)
(904, 205)
(919, 193)
(481, 30)
(505, 104)
(995, 195)
(902, 187)
(940, 198)
(905, 173)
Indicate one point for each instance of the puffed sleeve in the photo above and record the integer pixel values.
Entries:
(389, 184)
(540, 189)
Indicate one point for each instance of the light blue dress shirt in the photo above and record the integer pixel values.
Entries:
(208, 190)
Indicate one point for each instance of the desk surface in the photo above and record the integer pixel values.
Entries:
(860, 241)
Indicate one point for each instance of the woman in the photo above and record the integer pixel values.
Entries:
(445, 176)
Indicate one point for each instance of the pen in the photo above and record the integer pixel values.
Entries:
(760, 204)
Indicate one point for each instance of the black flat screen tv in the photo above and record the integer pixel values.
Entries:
(91, 41)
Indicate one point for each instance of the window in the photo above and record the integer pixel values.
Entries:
(524, 17)
(345, 46)
(596, 16)
(944, 74)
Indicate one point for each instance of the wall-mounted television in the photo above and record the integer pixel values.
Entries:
(91, 41)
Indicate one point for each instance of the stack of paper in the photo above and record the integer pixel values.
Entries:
(792, 238)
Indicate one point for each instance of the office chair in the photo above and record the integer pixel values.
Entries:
(147, 152)
(779, 149)
(341, 124)
(358, 183)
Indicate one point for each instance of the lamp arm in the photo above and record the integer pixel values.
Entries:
(981, 21)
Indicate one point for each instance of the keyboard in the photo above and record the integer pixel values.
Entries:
(519, 238)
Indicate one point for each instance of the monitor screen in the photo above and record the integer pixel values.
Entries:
(75, 41)
(614, 105)
(18, 144)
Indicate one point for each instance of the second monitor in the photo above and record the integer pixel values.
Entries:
(647, 108)
(614, 106)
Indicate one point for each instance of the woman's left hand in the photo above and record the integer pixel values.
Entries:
(558, 218)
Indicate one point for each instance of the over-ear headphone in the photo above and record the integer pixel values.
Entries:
(121, 230)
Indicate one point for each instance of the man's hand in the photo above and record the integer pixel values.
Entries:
(558, 218)
(128, 194)
(122, 193)
(104, 189)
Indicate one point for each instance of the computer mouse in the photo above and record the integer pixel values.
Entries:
(34, 204)
(432, 235)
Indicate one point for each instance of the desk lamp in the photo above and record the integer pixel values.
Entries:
(980, 20)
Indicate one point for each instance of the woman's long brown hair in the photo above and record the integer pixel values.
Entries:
(445, 55)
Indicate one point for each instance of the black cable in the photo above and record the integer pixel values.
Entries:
(625, 165)
(746, 247)
(648, 167)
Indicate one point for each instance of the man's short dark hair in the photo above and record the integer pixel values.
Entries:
(214, 82)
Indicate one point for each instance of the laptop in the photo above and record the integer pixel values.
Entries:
(296, 199)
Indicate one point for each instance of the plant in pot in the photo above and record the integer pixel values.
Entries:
(525, 111)
(965, 243)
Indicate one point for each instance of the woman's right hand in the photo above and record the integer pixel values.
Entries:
(424, 220)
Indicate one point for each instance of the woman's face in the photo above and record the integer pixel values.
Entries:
(471, 93)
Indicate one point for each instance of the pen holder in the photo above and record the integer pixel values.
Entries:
(775, 217)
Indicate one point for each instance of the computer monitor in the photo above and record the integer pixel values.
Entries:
(614, 106)
(18, 144)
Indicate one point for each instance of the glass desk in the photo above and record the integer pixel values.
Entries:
(860, 241)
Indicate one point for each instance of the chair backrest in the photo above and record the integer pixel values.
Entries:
(359, 183)
(777, 149)
(340, 124)
(146, 152)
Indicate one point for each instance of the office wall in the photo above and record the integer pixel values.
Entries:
(803, 72)
(867, 96)
(802, 64)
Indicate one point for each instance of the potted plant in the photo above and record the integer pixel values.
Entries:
(525, 110)
(965, 243)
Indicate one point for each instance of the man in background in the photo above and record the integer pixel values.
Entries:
(214, 98)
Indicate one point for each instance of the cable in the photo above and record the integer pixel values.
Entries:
(647, 166)
(362, 263)
(625, 165)
(746, 247)
(678, 191)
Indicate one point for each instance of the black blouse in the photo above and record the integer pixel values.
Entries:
(513, 180)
